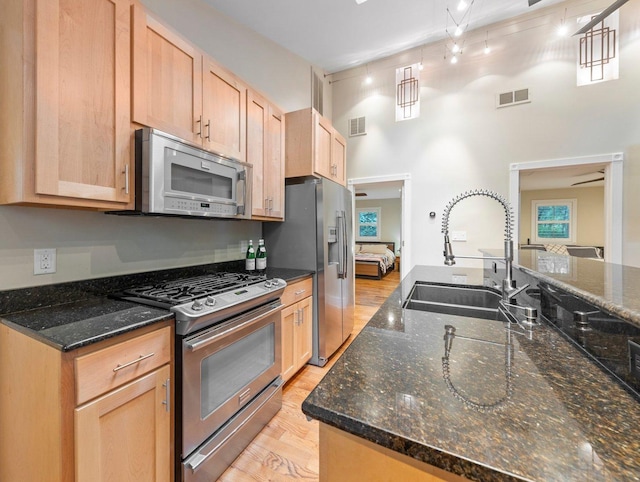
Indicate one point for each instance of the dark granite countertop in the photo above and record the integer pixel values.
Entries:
(513, 406)
(70, 315)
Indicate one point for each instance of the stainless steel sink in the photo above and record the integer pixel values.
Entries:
(474, 301)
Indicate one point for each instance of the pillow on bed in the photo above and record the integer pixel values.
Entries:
(374, 248)
(556, 248)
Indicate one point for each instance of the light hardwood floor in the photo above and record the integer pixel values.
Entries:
(287, 448)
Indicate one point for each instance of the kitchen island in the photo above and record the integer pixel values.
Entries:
(505, 404)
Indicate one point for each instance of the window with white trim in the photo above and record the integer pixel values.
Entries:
(554, 221)
(368, 224)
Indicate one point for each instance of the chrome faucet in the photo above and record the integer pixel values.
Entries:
(509, 289)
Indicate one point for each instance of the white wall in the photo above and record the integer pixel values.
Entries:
(461, 141)
(92, 244)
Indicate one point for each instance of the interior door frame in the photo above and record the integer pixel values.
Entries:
(613, 195)
(405, 198)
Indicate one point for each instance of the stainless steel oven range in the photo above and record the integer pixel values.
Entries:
(228, 361)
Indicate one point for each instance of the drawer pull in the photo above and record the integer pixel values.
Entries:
(299, 292)
(138, 360)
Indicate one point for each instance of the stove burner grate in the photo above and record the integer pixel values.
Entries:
(184, 290)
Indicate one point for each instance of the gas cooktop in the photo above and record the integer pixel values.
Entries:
(201, 301)
(188, 289)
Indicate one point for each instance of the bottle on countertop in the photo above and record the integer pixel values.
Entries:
(261, 257)
(250, 259)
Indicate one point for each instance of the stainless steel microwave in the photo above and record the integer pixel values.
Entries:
(175, 177)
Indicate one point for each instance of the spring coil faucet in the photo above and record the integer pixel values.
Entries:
(508, 284)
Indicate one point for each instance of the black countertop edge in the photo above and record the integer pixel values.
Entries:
(626, 314)
(59, 344)
(418, 451)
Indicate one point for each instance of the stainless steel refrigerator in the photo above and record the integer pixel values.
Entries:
(317, 235)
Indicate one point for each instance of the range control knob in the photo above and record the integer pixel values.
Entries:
(268, 284)
(210, 301)
(197, 305)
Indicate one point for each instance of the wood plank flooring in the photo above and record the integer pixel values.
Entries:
(287, 448)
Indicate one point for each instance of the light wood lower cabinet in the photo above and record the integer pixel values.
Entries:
(125, 434)
(345, 457)
(297, 327)
(99, 413)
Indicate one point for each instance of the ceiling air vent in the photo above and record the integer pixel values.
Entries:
(513, 97)
(357, 127)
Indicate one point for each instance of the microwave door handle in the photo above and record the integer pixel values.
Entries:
(242, 198)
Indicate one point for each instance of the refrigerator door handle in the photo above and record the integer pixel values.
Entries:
(342, 245)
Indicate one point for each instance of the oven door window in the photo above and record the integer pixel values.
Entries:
(190, 175)
(225, 372)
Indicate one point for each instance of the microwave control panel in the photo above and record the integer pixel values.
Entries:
(194, 207)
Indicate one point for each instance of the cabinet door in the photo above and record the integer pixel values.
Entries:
(303, 337)
(224, 101)
(167, 79)
(323, 133)
(274, 172)
(125, 435)
(83, 119)
(289, 319)
(338, 159)
(257, 151)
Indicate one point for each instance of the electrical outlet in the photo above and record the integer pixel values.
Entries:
(44, 261)
(458, 235)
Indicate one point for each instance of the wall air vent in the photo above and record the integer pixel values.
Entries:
(357, 127)
(513, 97)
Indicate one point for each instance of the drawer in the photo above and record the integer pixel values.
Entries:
(296, 291)
(99, 372)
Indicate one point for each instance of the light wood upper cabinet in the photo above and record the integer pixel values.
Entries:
(314, 147)
(167, 79)
(130, 424)
(180, 90)
(339, 158)
(265, 150)
(224, 106)
(65, 135)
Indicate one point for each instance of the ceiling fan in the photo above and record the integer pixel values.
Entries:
(601, 171)
(598, 18)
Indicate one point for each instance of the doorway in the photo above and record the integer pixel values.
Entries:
(611, 164)
(401, 184)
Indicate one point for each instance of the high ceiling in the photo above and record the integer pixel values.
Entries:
(339, 34)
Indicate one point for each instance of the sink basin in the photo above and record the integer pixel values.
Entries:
(474, 301)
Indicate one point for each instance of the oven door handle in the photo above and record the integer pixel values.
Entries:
(242, 322)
